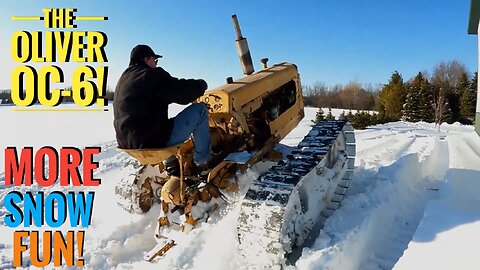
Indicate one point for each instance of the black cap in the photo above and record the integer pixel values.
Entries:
(141, 51)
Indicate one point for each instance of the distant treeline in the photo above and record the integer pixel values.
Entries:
(351, 96)
(448, 95)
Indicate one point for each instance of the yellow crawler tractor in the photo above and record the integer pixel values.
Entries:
(248, 117)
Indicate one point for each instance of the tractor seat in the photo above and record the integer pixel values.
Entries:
(153, 156)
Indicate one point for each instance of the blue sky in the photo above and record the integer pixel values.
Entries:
(331, 41)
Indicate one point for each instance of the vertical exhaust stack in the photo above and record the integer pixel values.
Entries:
(242, 49)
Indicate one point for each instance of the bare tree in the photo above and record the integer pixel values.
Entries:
(440, 106)
(446, 80)
(448, 74)
(350, 94)
(315, 95)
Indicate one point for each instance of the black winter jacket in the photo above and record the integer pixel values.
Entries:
(141, 101)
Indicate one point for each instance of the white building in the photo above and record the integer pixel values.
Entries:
(474, 28)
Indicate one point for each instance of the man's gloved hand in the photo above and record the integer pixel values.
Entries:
(206, 105)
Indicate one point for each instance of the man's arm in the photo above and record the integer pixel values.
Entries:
(181, 91)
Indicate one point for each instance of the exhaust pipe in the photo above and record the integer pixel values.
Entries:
(242, 49)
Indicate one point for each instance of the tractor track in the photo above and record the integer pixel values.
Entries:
(276, 216)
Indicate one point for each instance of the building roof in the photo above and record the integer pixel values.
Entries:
(474, 16)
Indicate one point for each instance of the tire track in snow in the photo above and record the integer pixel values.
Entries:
(374, 227)
(372, 134)
(385, 150)
(405, 210)
(456, 206)
(464, 148)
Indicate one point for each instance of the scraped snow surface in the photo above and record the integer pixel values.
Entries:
(414, 201)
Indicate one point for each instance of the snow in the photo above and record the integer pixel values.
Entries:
(413, 202)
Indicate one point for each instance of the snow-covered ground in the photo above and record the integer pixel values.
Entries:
(413, 203)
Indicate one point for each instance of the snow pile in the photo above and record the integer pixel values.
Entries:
(413, 203)
(447, 237)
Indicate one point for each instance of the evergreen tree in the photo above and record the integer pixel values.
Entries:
(319, 116)
(410, 108)
(392, 97)
(468, 101)
(419, 102)
(350, 115)
(361, 120)
(374, 119)
(463, 84)
(329, 115)
(474, 84)
(426, 101)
